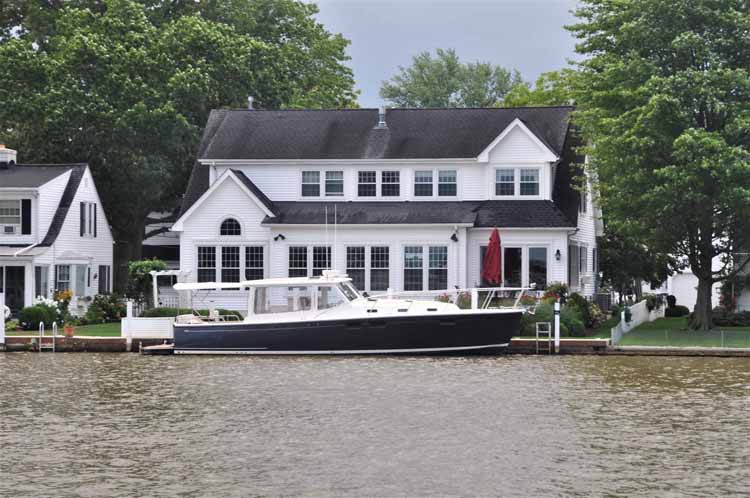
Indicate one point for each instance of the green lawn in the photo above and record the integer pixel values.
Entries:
(99, 330)
(674, 332)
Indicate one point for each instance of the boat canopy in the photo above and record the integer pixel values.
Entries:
(327, 279)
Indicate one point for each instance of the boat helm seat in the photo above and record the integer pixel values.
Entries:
(187, 319)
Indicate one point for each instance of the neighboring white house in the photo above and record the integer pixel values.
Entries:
(54, 234)
(684, 287)
(414, 195)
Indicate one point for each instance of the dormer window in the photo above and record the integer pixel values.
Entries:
(505, 183)
(389, 183)
(517, 182)
(333, 183)
(230, 226)
(530, 181)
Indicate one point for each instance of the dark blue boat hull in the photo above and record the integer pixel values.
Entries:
(479, 332)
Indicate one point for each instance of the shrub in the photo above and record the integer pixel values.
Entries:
(543, 313)
(140, 281)
(557, 290)
(173, 312)
(652, 301)
(723, 318)
(105, 308)
(671, 301)
(582, 305)
(30, 316)
(676, 311)
(596, 316)
(570, 316)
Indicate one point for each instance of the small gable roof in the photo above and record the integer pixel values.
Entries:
(74, 181)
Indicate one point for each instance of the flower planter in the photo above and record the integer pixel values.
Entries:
(69, 330)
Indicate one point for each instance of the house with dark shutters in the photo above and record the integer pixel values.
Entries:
(54, 234)
(413, 194)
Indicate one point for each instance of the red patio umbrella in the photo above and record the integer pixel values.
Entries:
(491, 264)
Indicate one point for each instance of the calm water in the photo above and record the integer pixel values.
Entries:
(126, 425)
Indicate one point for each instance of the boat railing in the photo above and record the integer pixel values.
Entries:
(475, 297)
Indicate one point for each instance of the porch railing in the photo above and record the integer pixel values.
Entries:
(475, 297)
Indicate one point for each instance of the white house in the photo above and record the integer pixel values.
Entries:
(54, 234)
(414, 195)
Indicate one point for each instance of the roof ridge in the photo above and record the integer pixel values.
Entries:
(69, 165)
(375, 109)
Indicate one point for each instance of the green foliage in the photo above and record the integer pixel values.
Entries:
(662, 99)
(105, 308)
(543, 313)
(580, 305)
(570, 320)
(624, 262)
(556, 290)
(723, 318)
(571, 317)
(140, 281)
(31, 316)
(173, 312)
(730, 289)
(445, 81)
(127, 86)
(676, 311)
(550, 89)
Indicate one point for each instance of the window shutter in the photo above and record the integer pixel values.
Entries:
(94, 208)
(83, 218)
(26, 216)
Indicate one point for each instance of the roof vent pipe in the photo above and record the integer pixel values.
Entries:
(381, 118)
(250, 100)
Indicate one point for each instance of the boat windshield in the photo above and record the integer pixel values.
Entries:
(349, 291)
(281, 299)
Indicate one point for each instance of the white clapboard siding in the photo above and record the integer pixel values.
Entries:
(50, 195)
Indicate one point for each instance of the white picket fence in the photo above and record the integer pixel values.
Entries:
(639, 314)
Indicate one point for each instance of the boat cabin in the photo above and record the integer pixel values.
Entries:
(295, 295)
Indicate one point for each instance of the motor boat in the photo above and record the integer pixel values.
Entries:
(327, 315)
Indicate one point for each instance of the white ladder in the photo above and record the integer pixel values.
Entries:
(42, 345)
(544, 330)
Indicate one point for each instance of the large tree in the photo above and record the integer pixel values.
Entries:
(550, 89)
(664, 100)
(445, 81)
(127, 86)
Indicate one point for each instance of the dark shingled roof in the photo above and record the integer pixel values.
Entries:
(32, 175)
(351, 134)
(505, 214)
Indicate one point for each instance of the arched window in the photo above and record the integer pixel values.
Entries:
(230, 226)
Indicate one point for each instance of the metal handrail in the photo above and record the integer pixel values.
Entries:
(492, 293)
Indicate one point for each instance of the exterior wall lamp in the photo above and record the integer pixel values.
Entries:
(558, 256)
(281, 237)
(454, 237)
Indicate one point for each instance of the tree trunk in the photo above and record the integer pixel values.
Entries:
(129, 247)
(701, 318)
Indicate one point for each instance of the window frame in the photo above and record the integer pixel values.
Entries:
(374, 183)
(369, 264)
(310, 269)
(521, 181)
(496, 182)
(525, 261)
(228, 219)
(518, 169)
(416, 183)
(302, 183)
(396, 183)
(426, 265)
(18, 226)
(326, 181)
(218, 259)
(69, 280)
(435, 183)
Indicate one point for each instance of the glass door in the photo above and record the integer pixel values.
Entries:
(15, 285)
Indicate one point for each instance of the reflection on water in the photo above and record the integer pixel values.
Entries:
(126, 425)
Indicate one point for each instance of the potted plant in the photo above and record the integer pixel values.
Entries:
(69, 329)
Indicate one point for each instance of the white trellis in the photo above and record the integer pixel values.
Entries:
(181, 275)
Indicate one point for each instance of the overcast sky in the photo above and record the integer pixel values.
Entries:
(523, 34)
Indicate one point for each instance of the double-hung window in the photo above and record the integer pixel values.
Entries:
(505, 183)
(62, 278)
(367, 183)
(321, 260)
(311, 184)
(355, 266)
(423, 183)
(529, 181)
(254, 262)
(297, 261)
(10, 216)
(334, 183)
(413, 268)
(207, 264)
(230, 264)
(390, 183)
(379, 268)
(438, 268)
(447, 183)
(41, 281)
